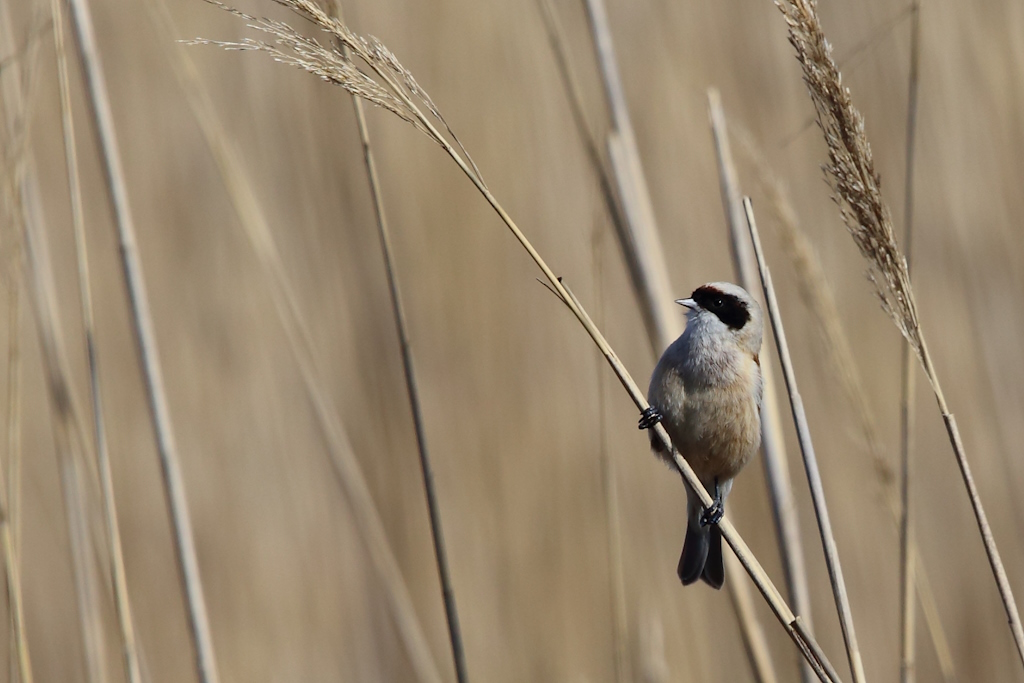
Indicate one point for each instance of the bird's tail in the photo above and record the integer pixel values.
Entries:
(714, 567)
(702, 549)
(702, 556)
(696, 549)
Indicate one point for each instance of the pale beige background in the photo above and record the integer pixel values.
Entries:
(510, 382)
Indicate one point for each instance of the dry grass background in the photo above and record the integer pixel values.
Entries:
(511, 395)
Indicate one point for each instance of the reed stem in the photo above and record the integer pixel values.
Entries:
(401, 327)
(908, 383)
(344, 464)
(145, 334)
(119, 577)
(828, 542)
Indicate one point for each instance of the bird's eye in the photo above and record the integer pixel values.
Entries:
(717, 303)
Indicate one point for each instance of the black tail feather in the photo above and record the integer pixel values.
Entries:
(695, 554)
(714, 566)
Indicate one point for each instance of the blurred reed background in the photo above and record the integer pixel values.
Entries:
(516, 407)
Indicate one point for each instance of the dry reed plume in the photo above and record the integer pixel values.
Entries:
(856, 185)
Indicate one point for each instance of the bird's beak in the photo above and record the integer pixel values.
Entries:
(689, 303)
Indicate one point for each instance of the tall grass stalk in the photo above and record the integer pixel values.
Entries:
(908, 377)
(828, 542)
(119, 577)
(851, 173)
(776, 466)
(408, 367)
(393, 87)
(145, 334)
(344, 464)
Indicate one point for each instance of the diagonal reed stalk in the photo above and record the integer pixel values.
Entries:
(119, 578)
(828, 542)
(394, 88)
(624, 191)
(401, 327)
(908, 379)
(819, 299)
(776, 466)
(343, 461)
(856, 186)
(145, 334)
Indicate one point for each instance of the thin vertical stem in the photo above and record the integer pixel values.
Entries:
(117, 568)
(908, 378)
(828, 542)
(145, 333)
(345, 466)
(401, 326)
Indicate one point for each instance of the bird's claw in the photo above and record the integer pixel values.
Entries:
(649, 417)
(713, 514)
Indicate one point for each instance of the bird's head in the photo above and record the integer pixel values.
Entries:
(728, 309)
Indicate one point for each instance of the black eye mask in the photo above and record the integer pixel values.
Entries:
(729, 309)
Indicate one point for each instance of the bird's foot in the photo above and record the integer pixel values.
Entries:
(649, 417)
(713, 514)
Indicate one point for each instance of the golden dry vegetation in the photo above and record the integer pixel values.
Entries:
(517, 403)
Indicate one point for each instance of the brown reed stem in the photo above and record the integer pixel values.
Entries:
(908, 378)
(119, 578)
(145, 334)
(345, 466)
(776, 466)
(828, 542)
(401, 327)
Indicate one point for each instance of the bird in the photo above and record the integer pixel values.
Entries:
(706, 392)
